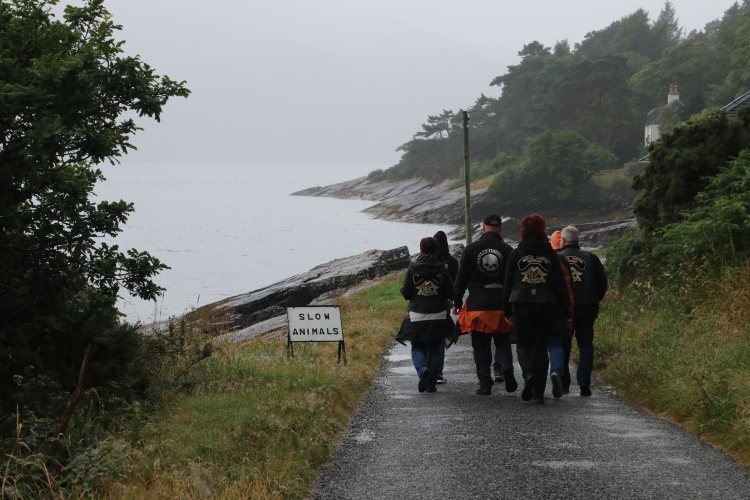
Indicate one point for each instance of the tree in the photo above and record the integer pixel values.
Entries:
(594, 99)
(67, 98)
(558, 167)
(690, 64)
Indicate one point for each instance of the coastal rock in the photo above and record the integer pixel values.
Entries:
(597, 237)
(242, 312)
(418, 200)
(409, 200)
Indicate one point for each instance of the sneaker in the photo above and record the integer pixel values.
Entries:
(557, 389)
(528, 388)
(423, 379)
(441, 380)
(432, 389)
(484, 390)
(499, 377)
(585, 390)
(510, 382)
(538, 397)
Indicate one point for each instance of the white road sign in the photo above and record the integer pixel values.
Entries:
(315, 324)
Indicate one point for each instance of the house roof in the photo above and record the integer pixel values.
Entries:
(654, 116)
(733, 107)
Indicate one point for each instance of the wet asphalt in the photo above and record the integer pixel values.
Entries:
(455, 444)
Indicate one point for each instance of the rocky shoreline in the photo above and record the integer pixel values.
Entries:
(418, 200)
(263, 311)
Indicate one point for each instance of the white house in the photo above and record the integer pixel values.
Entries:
(654, 117)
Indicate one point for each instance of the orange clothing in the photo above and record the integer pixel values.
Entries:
(556, 240)
(483, 321)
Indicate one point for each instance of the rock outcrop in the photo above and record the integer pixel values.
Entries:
(418, 200)
(409, 200)
(242, 314)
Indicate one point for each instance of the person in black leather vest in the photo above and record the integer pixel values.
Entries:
(536, 298)
(482, 273)
(428, 288)
(589, 282)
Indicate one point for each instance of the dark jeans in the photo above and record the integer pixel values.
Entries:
(534, 323)
(583, 329)
(427, 355)
(503, 353)
(482, 346)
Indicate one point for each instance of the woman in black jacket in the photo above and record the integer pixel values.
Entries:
(427, 286)
(536, 297)
(451, 265)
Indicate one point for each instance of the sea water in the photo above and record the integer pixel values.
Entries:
(226, 229)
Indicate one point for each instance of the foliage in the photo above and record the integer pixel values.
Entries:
(712, 233)
(68, 96)
(682, 162)
(557, 167)
(99, 447)
(716, 230)
(602, 88)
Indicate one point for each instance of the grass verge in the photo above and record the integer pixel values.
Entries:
(683, 353)
(259, 425)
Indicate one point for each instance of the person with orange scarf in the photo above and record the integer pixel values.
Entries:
(482, 272)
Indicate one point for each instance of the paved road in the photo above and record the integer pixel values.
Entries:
(455, 444)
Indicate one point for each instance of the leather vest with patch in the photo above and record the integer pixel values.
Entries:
(532, 276)
(581, 278)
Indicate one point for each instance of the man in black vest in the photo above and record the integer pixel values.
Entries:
(482, 272)
(589, 282)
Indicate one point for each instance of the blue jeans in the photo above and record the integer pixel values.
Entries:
(555, 346)
(442, 359)
(428, 355)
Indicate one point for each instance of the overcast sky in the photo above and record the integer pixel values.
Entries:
(339, 81)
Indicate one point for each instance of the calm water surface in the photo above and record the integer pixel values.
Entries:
(228, 229)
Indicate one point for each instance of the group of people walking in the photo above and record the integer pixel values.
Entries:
(546, 290)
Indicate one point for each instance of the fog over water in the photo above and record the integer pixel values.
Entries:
(226, 229)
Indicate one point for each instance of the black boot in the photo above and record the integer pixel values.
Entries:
(510, 381)
(528, 388)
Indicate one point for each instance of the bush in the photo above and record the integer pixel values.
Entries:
(95, 450)
(558, 167)
(714, 233)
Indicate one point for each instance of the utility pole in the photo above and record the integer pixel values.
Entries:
(467, 178)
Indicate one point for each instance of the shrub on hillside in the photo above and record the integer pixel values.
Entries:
(714, 232)
(682, 162)
(558, 167)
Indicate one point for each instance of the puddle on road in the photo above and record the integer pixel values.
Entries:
(634, 435)
(402, 396)
(395, 358)
(403, 370)
(566, 464)
(364, 436)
